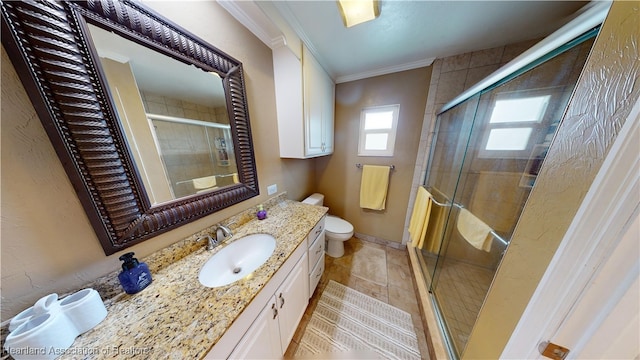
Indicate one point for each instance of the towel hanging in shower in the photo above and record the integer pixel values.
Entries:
(474, 230)
(433, 234)
(420, 217)
(374, 186)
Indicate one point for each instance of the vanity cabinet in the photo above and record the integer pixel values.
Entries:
(316, 255)
(305, 101)
(262, 341)
(272, 331)
(267, 325)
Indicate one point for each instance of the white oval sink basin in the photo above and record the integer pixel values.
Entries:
(237, 260)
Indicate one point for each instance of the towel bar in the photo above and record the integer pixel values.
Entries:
(391, 167)
(493, 233)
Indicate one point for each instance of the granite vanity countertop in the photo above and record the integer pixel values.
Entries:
(178, 318)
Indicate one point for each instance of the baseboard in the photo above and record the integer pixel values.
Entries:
(373, 239)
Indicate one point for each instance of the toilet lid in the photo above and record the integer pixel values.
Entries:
(337, 226)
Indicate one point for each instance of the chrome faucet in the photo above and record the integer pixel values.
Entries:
(211, 242)
(223, 232)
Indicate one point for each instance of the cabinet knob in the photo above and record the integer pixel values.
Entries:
(275, 310)
(281, 300)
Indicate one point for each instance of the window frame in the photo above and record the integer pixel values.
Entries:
(534, 125)
(391, 132)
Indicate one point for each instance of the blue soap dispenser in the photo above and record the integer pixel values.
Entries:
(135, 275)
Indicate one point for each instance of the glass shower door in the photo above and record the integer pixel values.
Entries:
(483, 166)
(447, 154)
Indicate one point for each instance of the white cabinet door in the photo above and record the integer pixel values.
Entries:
(262, 340)
(272, 331)
(292, 301)
(313, 103)
(318, 106)
(305, 97)
(328, 113)
(287, 72)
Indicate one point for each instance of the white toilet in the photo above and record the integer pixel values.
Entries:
(337, 230)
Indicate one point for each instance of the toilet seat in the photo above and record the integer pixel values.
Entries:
(336, 225)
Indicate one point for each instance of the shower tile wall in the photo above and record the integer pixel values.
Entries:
(192, 156)
(450, 77)
(162, 105)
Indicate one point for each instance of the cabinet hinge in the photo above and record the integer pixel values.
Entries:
(553, 351)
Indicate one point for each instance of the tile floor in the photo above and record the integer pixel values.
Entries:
(464, 287)
(379, 271)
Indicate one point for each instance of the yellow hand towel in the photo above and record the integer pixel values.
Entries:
(373, 188)
(420, 217)
(433, 235)
(474, 230)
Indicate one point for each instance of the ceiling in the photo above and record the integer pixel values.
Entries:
(410, 34)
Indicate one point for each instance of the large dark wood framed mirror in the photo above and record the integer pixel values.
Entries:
(70, 57)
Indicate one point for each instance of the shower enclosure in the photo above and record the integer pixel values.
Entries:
(483, 164)
(197, 156)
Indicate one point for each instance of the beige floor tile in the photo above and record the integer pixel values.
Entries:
(370, 263)
(404, 299)
(291, 350)
(399, 276)
(422, 343)
(372, 289)
(397, 257)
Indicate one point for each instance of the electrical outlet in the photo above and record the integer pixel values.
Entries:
(272, 189)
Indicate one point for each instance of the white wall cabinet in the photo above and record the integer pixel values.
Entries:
(305, 102)
(272, 331)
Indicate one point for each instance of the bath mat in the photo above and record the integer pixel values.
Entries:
(370, 263)
(348, 323)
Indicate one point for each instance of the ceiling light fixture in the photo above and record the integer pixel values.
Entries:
(355, 12)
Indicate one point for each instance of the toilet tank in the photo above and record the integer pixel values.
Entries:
(315, 199)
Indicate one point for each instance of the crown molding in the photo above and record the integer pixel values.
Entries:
(385, 70)
(252, 17)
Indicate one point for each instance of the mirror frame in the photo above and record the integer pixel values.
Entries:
(49, 45)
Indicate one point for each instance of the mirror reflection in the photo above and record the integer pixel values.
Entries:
(174, 117)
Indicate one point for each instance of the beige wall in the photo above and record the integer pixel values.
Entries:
(47, 243)
(337, 176)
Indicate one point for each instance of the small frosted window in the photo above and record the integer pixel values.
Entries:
(378, 127)
(376, 142)
(519, 110)
(378, 120)
(508, 139)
